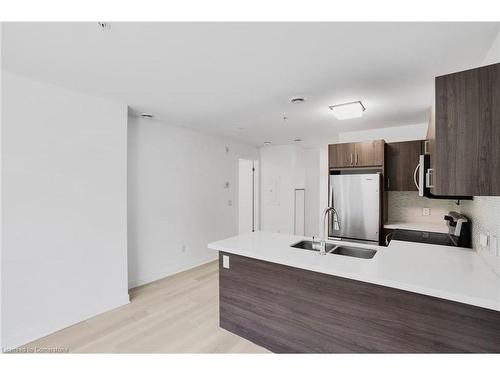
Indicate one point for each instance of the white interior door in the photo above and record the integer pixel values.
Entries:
(299, 211)
(248, 196)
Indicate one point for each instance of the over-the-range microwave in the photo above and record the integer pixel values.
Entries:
(423, 177)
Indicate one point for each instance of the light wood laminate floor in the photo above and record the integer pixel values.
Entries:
(177, 314)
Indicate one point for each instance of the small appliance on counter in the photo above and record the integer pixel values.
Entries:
(459, 233)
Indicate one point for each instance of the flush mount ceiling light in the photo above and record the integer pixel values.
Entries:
(348, 110)
(146, 115)
(297, 100)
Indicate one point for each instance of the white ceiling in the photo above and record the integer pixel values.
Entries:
(236, 79)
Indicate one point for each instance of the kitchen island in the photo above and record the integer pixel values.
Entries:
(408, 298)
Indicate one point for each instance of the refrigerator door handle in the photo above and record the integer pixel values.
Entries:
(331, 195)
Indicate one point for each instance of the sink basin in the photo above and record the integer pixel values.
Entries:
(354, 252)
(308, 245)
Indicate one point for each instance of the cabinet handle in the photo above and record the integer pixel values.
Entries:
(356, 158)
(351, 159)
(426, 147)
(429, 183)
(388, 183)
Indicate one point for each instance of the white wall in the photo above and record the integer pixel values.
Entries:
(281, 173)
(64, 208)
(391, 134)
(284, 169)
(177, 197)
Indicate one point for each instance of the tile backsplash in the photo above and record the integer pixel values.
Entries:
(406, 206)
(484, 213)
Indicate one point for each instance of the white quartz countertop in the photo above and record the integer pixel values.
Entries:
(451, 273)
(422, 226)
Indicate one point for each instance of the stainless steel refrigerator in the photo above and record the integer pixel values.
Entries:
(356, 198)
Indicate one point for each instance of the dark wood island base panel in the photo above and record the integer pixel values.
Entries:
(291, 310)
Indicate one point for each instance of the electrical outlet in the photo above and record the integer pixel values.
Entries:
(426, 211)
(225, 261)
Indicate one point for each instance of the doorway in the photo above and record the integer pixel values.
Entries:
(248, 196)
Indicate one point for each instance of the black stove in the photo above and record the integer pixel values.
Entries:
(459, 233)
(424, 237)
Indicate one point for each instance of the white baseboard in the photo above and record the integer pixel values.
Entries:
(20, 338)
(161, 274)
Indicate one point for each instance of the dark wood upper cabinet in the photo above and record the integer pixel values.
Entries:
(401, 160)
(354, 155)
(369, 153)
(466, 157)
(341, 155)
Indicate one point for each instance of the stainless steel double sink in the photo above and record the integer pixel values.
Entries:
(350, 251)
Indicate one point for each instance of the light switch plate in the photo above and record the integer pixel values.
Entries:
(225, 261)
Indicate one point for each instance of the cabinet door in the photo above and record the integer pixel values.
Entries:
(429, 146)
(369, 154)
(467, 153)
(341, 155)
(401, 160)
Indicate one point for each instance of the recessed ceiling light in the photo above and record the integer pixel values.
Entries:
(297, 140)
(267, 143)
(297, 100)
(104, 26)
(146, 115)
(348, 110)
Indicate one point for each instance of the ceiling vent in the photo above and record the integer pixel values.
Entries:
(104, 26)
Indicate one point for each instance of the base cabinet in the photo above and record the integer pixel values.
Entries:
(290, 310)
